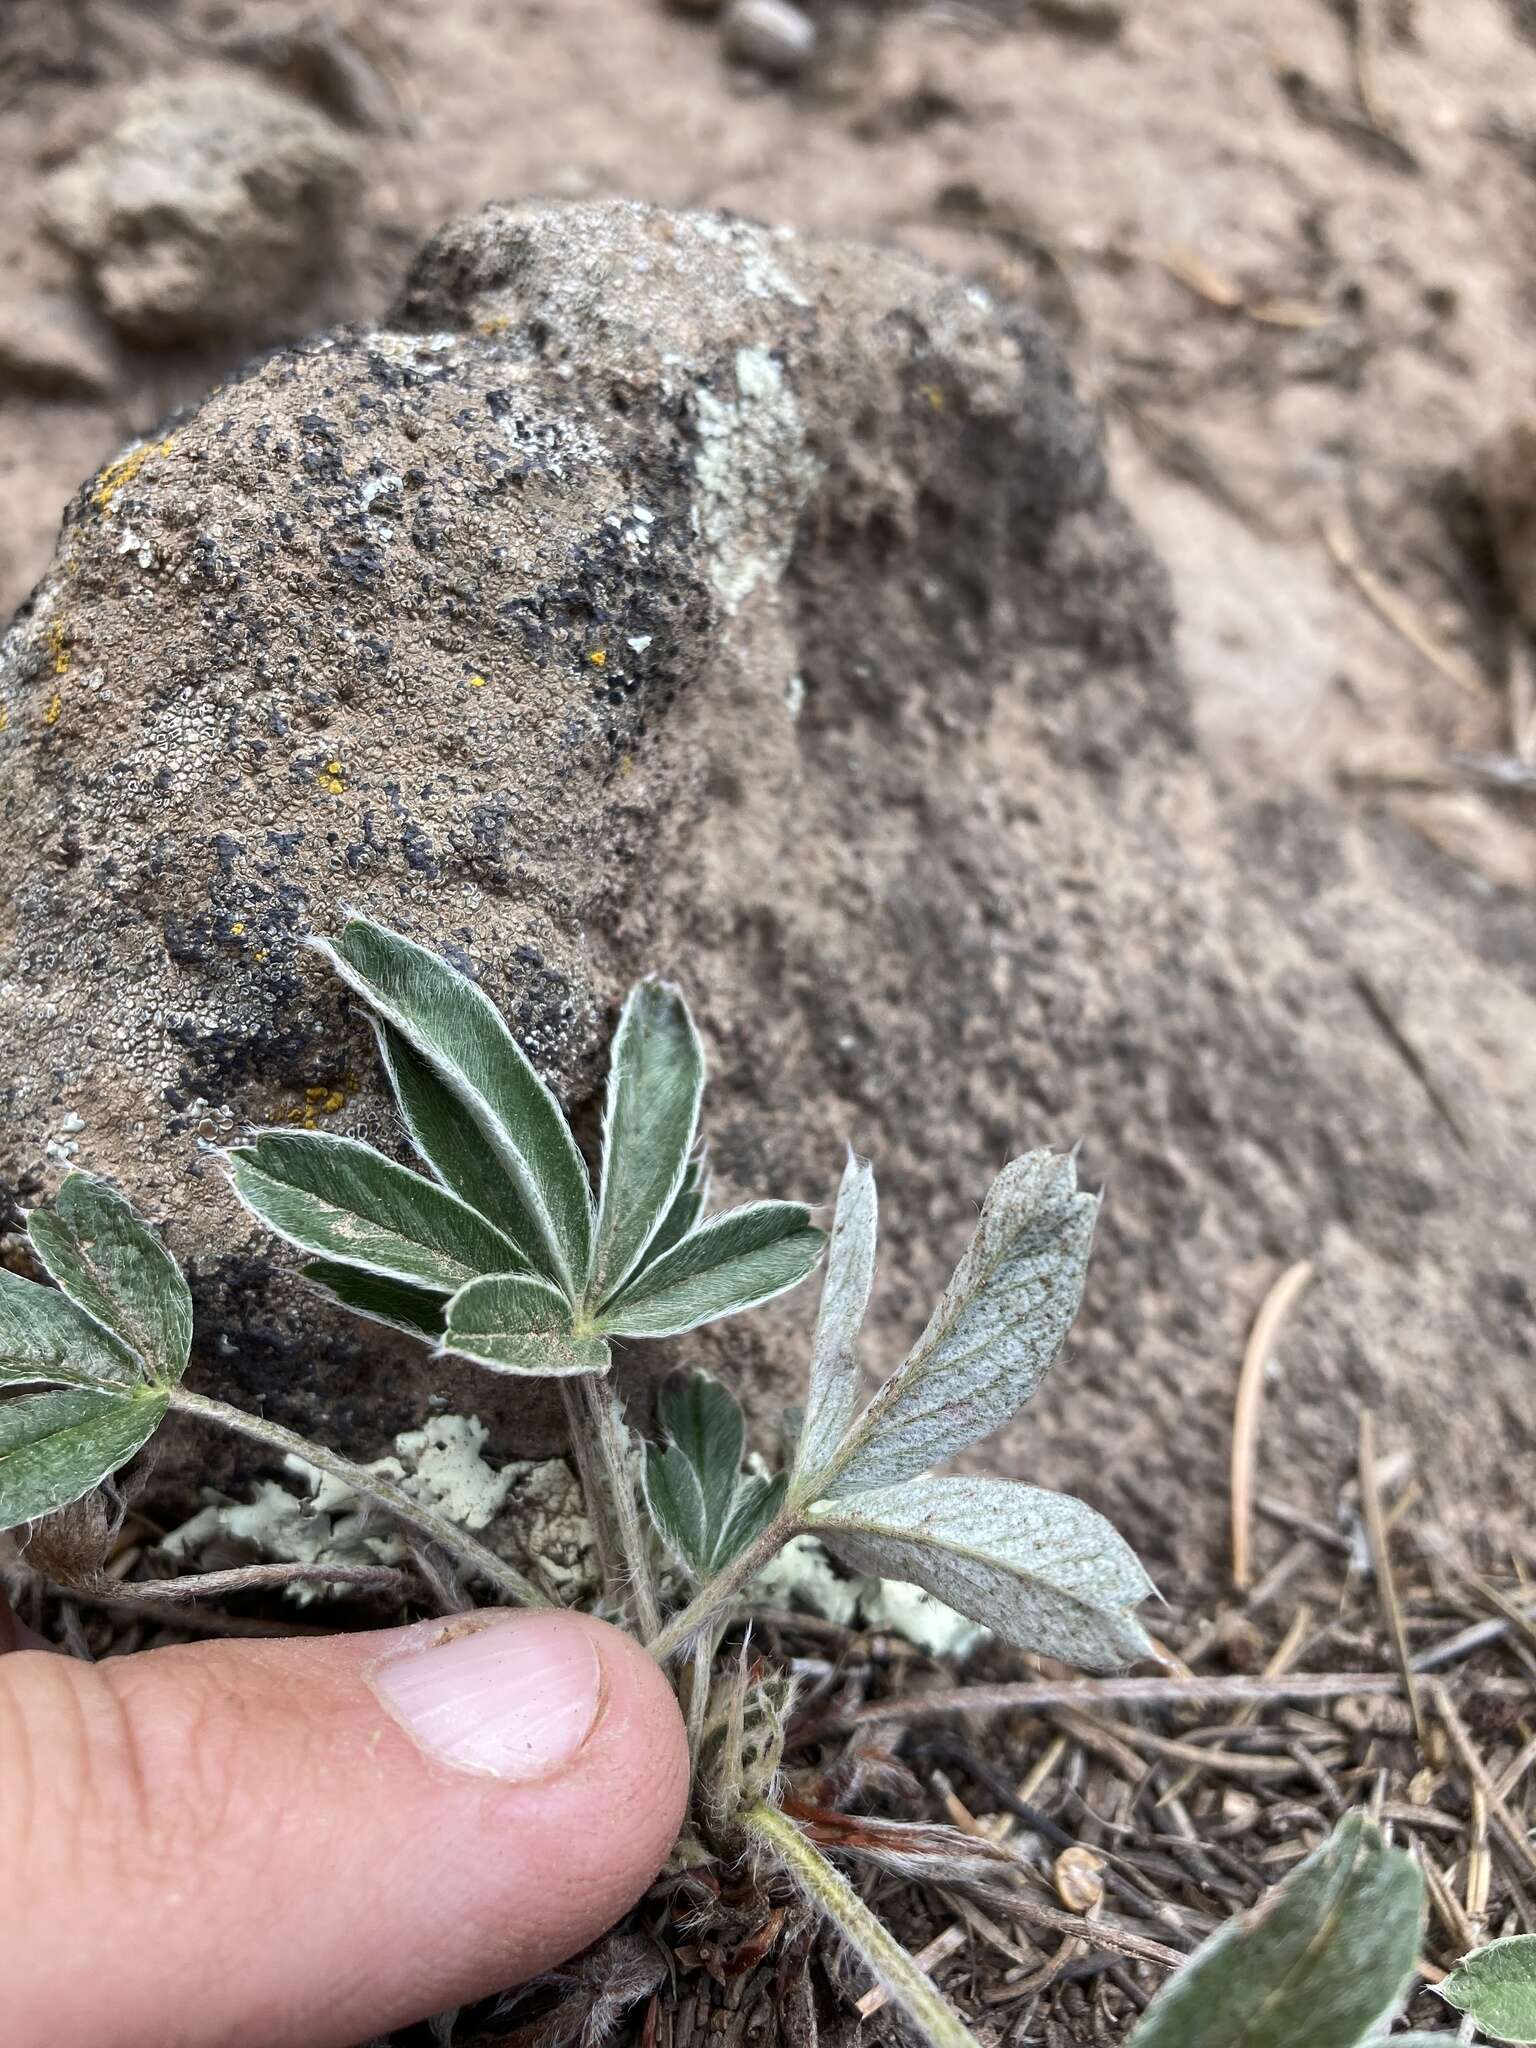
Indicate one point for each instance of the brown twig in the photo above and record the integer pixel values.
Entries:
(1381, 1564)
(1267, 1324)
(1089, 1694)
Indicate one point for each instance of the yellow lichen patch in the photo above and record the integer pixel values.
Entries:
(118, 474)
(496, 323)
(5, 718)
(58, 648)
(934, 396)
(237, 929)
(331, 778)
(334, 1101)
(598, 657)
(626, 765)
(477, 682)
(260, 954)
(55, 709)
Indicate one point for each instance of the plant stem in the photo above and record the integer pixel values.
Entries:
(593, 1492)
(436, 1528)
(723, 1588)
(828, 1890)
(609, 1438)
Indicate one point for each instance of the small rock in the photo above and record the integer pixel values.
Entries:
(50, 347)
(771, 34)
(211, 208)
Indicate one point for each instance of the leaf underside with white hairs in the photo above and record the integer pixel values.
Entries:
(412, 1309)
(114, 1268)
(1043, 1571)
(655, 1082)
(1497, 1986)
(461, 1035)
(1322, 1959)
(343, 1202)
(834, 1385)
(703, 1506)
(45, 1339)
(515, 1322)
(731, 1263)
(55, 1447)
(450, 1140)
(995, 1334)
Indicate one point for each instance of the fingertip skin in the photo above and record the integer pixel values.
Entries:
(234, 1843)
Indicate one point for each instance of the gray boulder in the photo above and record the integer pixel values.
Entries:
(657, 590)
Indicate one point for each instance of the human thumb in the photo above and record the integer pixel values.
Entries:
(302, 1843)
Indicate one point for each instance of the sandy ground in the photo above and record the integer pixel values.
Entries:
(1287, 256)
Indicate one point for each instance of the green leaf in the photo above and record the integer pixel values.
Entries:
(655, 1083)
(347, 1204)
(117, 1271)
(1323, 1959)
(55, 1447)
(703, 1507)
(44, 1337)
(515, 1322)
(703, 1419)
(995, 1334)
(1497, 1986)
(460, 1033)
(834, 1390)
(402, 1307)
(450, 1140)
(1042, 1570)
(731, 1263)
(684, 1214)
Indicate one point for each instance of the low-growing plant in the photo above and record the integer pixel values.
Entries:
(1495, 1987)
(504, 1253)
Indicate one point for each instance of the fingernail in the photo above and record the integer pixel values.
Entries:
(512, 1698)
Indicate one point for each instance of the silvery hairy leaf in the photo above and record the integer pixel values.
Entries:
(412, 1309)
(458, 1031)
(343, 1202)
(447, 1136)
(1497, 1986)
(733, 1262)
(117, 1271)
(1043, 1571)
(702, 1505)
(45, 1339)
(1322, 1959)
(54, 1447)
(655, 1083)
(515, 1322)
(997, 1331)
(683, 1216)
(834, 1387)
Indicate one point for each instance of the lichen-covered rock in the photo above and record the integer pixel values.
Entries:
(209, 209)
(658, 590)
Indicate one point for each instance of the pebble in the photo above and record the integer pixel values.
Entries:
(771, 34)
(50, 347)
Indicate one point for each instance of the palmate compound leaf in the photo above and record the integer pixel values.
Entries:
(834, 1385)
(54, 1447)
(459, 1032)
(46, 1340)
(997, 1331)
(1043, 1571)
(731, 1263)
(1497, 1986)
(703, 1506)
(655, 1084)
(517, 1323)
(344, 1203)
(1322, 1960)
(117, 1272)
